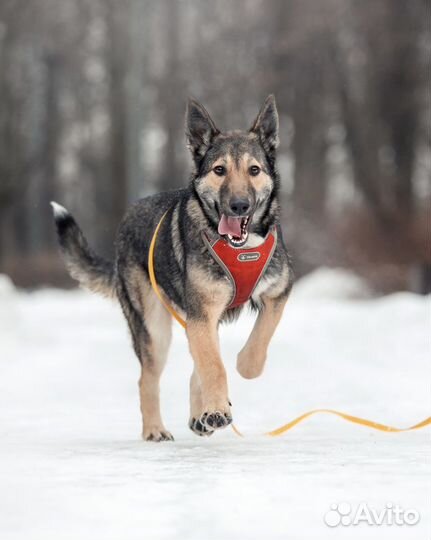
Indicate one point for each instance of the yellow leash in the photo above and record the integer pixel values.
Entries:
(152, 275)
(299, 419)
(348, 417)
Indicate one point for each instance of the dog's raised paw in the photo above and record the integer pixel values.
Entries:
(157, 435)
(216, 420)
(200, 429)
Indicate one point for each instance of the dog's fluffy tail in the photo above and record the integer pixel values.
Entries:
(92, 271)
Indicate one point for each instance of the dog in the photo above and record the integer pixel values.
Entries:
(232, 198)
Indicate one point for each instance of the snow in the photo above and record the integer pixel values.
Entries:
(331, 284)
(72, 464)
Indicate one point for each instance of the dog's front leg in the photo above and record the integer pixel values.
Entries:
(210, 408)
(207, 299)
(196, 406)
(251, 359)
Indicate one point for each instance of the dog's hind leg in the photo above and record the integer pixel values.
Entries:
(151, 328)
(154, 353)
(149, 392)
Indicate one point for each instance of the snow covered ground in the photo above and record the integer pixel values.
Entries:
(72, 465)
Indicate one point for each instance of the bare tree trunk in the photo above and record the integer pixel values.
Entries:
(169, 90)
(118, 50)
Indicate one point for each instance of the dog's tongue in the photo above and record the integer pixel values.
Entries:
(230, 225)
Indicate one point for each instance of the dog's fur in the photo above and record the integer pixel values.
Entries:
(186, 273)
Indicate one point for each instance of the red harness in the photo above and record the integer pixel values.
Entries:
(244, 267)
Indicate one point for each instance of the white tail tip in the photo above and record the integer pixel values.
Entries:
(59, 211)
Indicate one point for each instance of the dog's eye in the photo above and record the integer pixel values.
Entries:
(254, 170)
(220, 170)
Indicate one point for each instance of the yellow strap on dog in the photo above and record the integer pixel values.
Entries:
(152, 275)
(286, 427)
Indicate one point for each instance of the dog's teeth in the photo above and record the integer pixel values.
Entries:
(238, 241)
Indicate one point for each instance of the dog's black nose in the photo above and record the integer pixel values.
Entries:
(239, 206)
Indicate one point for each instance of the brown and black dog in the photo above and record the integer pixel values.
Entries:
(233, 194)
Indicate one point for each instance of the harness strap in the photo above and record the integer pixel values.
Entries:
(243, 267)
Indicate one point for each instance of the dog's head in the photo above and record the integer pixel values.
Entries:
(235, 176)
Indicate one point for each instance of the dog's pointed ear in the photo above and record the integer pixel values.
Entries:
(266, 126)
(200, 129)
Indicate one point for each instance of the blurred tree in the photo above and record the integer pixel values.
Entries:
(93, 92)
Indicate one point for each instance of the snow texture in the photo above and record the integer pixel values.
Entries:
(72, 465)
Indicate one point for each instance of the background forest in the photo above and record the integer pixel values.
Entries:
(92, 100)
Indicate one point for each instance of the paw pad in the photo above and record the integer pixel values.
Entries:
(216, 419)
(199, 428)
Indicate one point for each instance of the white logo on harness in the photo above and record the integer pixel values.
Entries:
(248, 257)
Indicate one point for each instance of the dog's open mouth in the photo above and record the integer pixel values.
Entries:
(235, 228)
